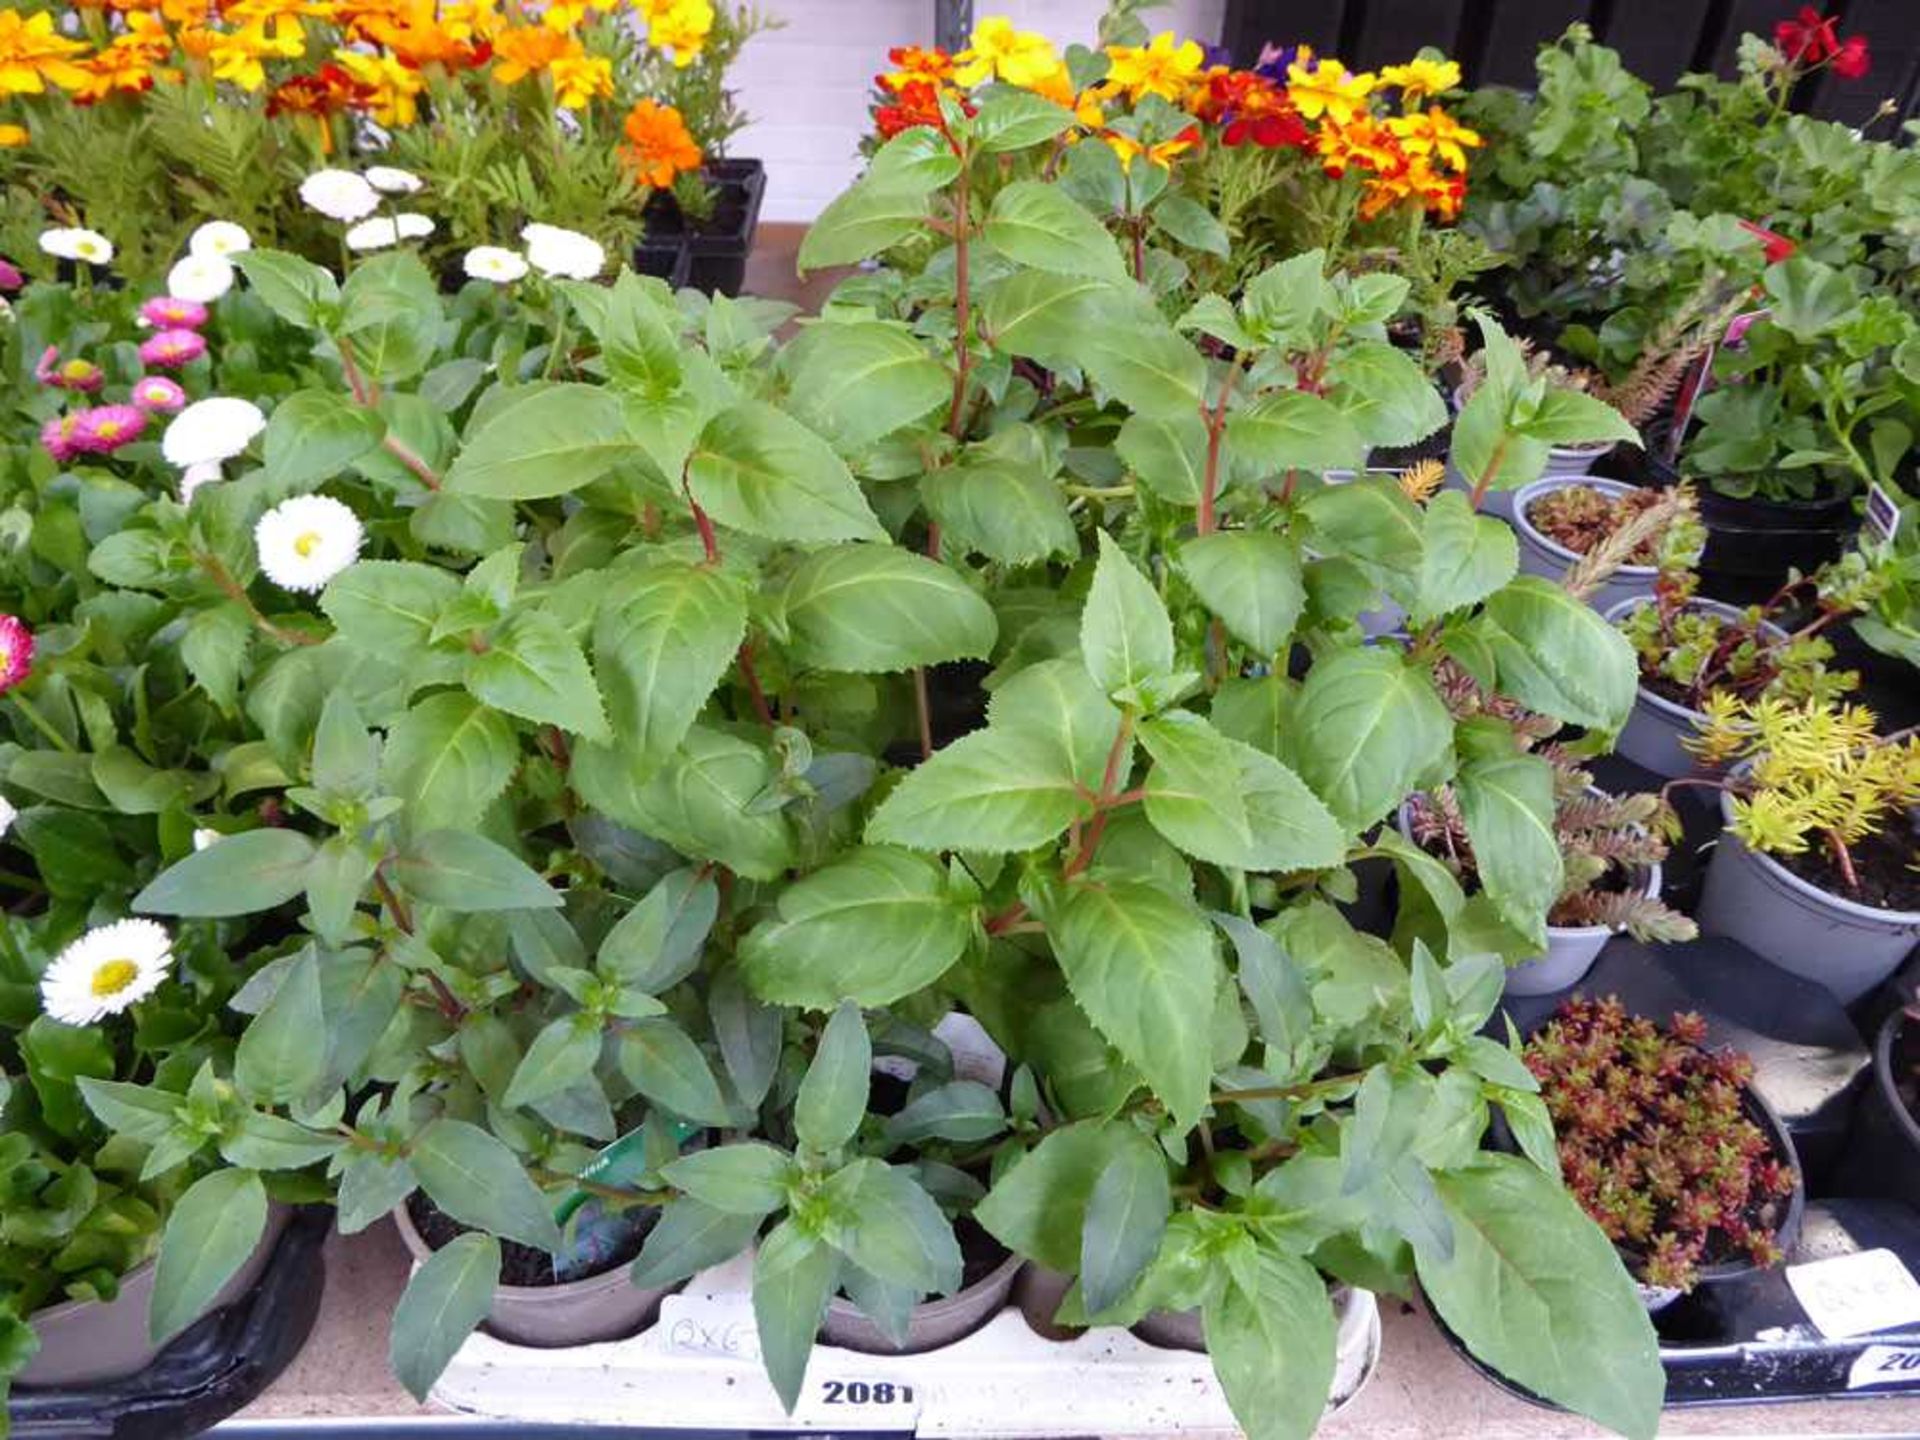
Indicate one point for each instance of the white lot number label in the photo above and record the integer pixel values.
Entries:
(844, 1403)
(1856, 1294)
(1878, 1366)
(1883, 514)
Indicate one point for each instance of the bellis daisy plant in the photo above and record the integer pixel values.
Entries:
(106, 972)
(306, 541)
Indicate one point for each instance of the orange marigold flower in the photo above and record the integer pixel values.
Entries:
(1363, 143)
(579, 79)
(418, 36)
(914, 62)
(328, 91)
(33, 53)
(659, 145)
(527, 50)
(12, 137)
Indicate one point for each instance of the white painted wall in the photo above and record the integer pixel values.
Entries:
(806, 84)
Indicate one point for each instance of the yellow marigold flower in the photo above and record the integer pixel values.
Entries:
(578, 79)
(239, 56)
(393, 88)
(32, 53)
(1162, 67)
(1019, 57)
(1435, 133)
(12, 137)
(1419, 78)
(680, 26)
(1328, 88)
(1160, 153)
(1361, 142)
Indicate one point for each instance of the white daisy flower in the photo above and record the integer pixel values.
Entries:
(306, 541)
(200, 277)
(209, 431)
(339, 194)
(7, 814)
(492, 262)
(564, 254)
(207, 472)
(105, 971)
(74, 243)
(203, 837)
(217, 239)
(391, 180)
(382, 231)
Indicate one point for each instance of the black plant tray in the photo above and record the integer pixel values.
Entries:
(212, 1370)
(1747, 1341)
(710, 256)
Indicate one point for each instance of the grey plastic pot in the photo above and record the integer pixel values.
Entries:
(1847, 947)
(85, 1341)
(1186, 1329)
(608, 1306)
(931, 1324)
(1657, 725)
(1542, 555)
(1571, 949)
(1038, 1291)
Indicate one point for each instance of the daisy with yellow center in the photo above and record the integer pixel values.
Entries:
(998, 51)
(306, 541)
(1164, 66)
(1328, 88)
(106, 971)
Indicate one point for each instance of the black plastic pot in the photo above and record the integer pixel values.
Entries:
(1883, 1152)
(1759, 541)
(218, 1366)
(708, 255)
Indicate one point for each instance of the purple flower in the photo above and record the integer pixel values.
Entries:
(56, 438)
(10, 278)
(169, 312)
(81, 375)
(157, 394)
(1274, 60)
(16, 651)
(170, 349)
(105, 428)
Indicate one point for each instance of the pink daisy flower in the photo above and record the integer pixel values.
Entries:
(170, 349)
(57, 438)
(156, 394)
(169, 312)
(105, 428)
(81, 375)
(16, 652)
(10, 278)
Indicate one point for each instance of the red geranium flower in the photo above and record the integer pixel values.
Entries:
(1851, 60)
(1809, 37)
(1775, 247)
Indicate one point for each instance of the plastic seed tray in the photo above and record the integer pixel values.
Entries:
(698, 1369)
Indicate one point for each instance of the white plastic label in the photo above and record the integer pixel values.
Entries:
(1882, 1365)
(1856, 1294)
(1883, 513)
(852, 1402)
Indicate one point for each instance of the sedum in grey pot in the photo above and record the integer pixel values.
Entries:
(930, 1324)
(1845, 946)
(83, 1342)
(608, 1306)
(1542, 555)
(1657, 725)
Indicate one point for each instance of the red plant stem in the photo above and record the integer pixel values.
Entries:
(752, 677)
(1007, 918)
(1844, 859)
(1106, 800)
(962, 306)
(400, 451)
(1140, 251)
(356, 382)
(925, 709)
(703, 522)
(1493, 469)
(1216, 421)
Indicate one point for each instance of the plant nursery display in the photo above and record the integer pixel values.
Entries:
(143, 121)
(1665, 1144)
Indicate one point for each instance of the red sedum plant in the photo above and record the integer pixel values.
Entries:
(1656, 1140)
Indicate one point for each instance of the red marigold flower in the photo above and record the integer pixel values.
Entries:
(16, 652)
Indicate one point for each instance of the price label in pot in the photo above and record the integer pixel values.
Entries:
(1883, 513)
(1856, 1294)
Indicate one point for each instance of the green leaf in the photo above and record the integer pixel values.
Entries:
(1035, 224)
(1368, 519)
(1168, 456)
(1126, 1216)
(1537, 1292)
(1487, 449)
(746, 1177)
(1194, 226)
(215, 649)
(1293, 430)
(1251, 580)
(1009, 513)
(1012, 119)
(445, 1299)
(857, 381)
(277, 1060)
(1041, 316)
(560, 1057)
(1149, 367)
(897, 1233)
(1126, 635)
(861, 222)
(1465, 557)
(758, 470)
(1230, 804)
(698, 804)
(390, 308)
(833, 1095)
(873, 926)
(997, 790)
(449, 758)
(532, 667)
(1809, 298)
(1365, 730)
(315, 435)
(964, 1111)
(1274, 984)
(657, 943)
(214, 1227)
(869, 608)
(1272, 1345)
(661, 645)
(465, 872)
(690, 1237)
(389, 607)
(1570, 417)
(254, 870)
(1385, 395)
(1038, 1207)
(794, 1276)
(1057, 705)
(1508, 805)
(664, 1065)
(266, 1142)
(548, 440)
(477, 1181)
(296, 290)
(635, 320)
(1141, 964)
(1556, 655)
(916, 160)
(138, 1111)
